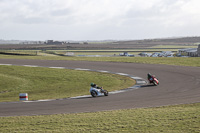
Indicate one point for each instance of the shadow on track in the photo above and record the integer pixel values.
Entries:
(87, 97)
(147, 86)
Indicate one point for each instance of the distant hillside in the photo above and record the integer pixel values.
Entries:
(146, 43)
(166, 41)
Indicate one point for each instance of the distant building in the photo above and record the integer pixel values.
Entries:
(192, 52)
(85, 42)
(73, 43)
(69, 54)
(52, 42)
(198, 51)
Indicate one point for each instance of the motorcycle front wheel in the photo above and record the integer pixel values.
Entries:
(155, 83)
(105, 93)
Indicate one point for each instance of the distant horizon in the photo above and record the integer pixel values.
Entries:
(175, 37)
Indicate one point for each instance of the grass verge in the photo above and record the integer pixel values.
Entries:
(172, 119)
(180, 118)
(190, 61)
(49, 83)
(175, 46)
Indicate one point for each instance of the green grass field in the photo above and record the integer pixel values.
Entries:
(49, 83)
(180, 61)
(169, 119)
(176, 46)
(110, 53)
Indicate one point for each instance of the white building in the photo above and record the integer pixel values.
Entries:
(188, 52)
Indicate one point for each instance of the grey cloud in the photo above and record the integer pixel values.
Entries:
(30, 20)
(61, 12)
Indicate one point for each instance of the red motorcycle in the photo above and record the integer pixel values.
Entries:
(154, 80)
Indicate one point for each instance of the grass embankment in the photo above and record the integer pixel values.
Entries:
(180, 61)
(176, 46)
(172, 119)
(180, 118)
(49, 83)
(110, 52)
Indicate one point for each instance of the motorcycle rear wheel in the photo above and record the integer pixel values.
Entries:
(94, 93)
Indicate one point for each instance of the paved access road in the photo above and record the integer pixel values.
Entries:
(178, 85)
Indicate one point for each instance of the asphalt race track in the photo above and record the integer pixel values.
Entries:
(178, 85)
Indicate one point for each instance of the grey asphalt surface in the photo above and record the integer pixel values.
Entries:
(178, 85)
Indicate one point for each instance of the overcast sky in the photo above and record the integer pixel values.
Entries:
(98, 19)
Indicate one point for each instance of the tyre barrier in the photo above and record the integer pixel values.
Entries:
(23, 96)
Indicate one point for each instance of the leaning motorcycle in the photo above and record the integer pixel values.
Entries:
(154, 80)
(98, 92)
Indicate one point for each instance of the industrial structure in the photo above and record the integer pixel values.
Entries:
(52, 42)
(198, 51)
(192, 52)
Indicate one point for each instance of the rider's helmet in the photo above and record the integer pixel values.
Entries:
(149, 74)
(92, 84)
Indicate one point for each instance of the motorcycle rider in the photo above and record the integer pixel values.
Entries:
(97, 91)
(149, 76)
(95, 86)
